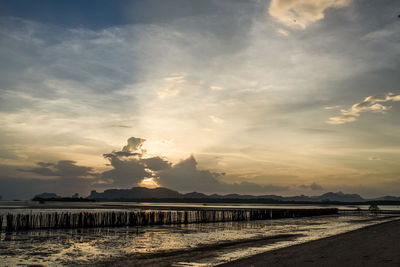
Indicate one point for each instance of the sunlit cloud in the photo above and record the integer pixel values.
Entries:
(374, 158)
(177, 78)
(331, 107)
(370, 103)
(149, 183)
(216, 119)
(166, 92)
(283, 32)
(216, 88)
(172, 85)
(301, 13)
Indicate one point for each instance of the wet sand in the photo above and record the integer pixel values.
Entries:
(192, 255)
(377, 245)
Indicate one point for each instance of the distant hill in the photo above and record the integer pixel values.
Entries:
(47, 196)
(339, 196)
(388, 198)
(135, 193)
(165, 194)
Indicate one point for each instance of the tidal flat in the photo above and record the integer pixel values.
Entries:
(196, 244)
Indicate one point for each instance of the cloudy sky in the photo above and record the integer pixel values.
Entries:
(220, 96)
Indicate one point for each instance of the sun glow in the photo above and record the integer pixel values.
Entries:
(149, 183)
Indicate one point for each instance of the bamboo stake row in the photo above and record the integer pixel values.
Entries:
(59, 220)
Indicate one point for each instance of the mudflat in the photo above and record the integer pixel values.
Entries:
(171, 258)
(376, 245)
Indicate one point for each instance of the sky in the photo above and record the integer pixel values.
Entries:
(282, 97)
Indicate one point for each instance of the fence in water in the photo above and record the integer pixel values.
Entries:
(59, 220)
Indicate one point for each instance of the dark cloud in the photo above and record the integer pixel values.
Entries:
(185, 176)
(313, 186)
(129, 167)
(63, 177)
(132, 149)
(126, 172)
(121, 154)
(63, 169)
(252, 188)
(156, 163)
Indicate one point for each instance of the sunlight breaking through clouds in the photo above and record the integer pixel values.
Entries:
(301, 13)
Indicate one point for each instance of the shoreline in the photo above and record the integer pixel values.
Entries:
(374, 245)
(199, 253)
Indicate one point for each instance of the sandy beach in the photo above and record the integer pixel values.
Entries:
(377, 245)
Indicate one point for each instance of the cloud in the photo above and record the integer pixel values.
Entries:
(370, 103)
(131, 167)
(133, 145)
(332, 107)
(25, 188)
(120, 126)
(313, 186)
(374, 158)
(125, 172)
(216, 88)
(185, 176)
(63, 177)
(301, 13)
(216, 119)
(156, 163)
(63, 169)
(171, 85)
(283, 32)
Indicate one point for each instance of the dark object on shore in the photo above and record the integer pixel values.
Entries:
(374, 209)
(58, 220)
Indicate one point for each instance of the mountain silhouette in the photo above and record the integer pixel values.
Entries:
(138, 193)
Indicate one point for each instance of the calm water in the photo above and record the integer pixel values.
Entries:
(18, 206)
(74, 246)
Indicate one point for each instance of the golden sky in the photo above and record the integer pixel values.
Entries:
(260, 97)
